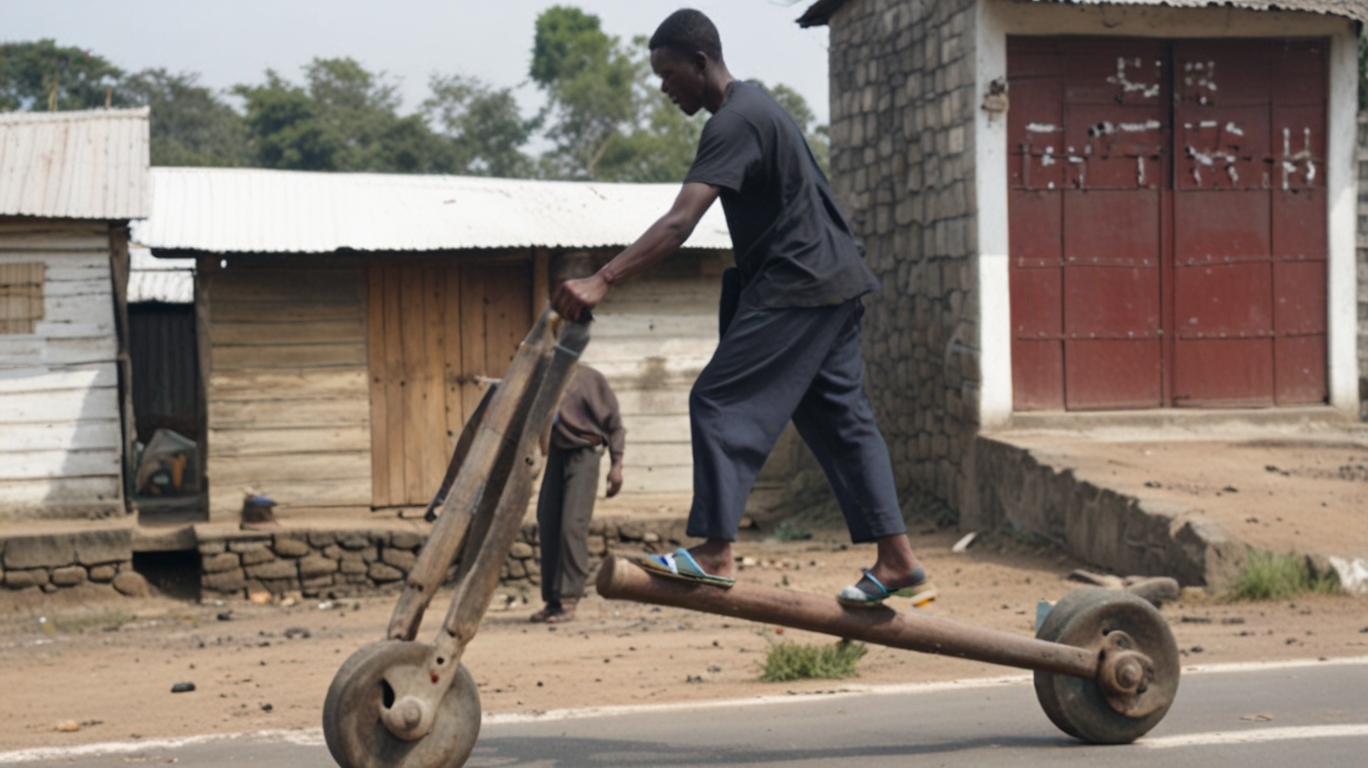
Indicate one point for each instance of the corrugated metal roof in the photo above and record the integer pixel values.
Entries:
(820, 12)
(170, 281)
(239, 210)
(75, 165)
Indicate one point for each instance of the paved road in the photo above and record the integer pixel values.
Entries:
(1301, 715)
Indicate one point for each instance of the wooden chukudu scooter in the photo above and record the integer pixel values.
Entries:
(1106, 664)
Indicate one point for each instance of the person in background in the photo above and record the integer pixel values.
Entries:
(588, 423)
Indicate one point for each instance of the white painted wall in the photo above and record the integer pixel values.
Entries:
(60, 433)
(1000, 18)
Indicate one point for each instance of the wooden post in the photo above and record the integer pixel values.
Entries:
(619, 579)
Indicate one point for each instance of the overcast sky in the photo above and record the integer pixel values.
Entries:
(235, 42)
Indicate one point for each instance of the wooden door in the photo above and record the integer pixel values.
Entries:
(437, 333)
(1167, 222)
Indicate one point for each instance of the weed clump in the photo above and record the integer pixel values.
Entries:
(788, 660)
(1271, 576)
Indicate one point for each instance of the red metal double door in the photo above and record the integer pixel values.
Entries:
(1168, 222)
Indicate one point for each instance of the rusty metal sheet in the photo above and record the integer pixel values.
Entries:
(1115, 72)
(1035, 220)
(1037, 303)
(1035, 133)
(1300, 370)
(1111, 226)
(1299, 297)
(1037, 375)
(1223, 73)
(1221, 227)
(1223, 147)
(1218, 373)
(1300, 229)
(1224, 300)
(1114, 146)
(1299, 147)
(1111, 302)
(1301, 73)
(1105, 374)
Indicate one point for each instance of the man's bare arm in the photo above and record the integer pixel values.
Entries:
(663, 238)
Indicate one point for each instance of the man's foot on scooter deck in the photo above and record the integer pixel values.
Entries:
(869, 591)
(681, 566)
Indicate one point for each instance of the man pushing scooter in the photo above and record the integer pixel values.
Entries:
(790, 322)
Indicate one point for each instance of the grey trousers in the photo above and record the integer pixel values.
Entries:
(564, 509)
(773, 365)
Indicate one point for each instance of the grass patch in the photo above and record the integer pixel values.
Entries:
(788, 660)
(788, 530)
(1270, 576)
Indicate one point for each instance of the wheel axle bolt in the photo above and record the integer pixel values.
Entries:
(1129, 674)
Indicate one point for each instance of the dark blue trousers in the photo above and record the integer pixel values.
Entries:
(772, 366)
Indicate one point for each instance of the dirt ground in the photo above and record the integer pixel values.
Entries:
(109, 665)
(1300, 493)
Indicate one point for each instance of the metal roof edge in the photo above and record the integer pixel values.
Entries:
(819, 13)
(134, 113)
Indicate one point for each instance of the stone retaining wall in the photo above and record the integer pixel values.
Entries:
(53, 561)
(902, 147)
(1110, 529)
(322, 563)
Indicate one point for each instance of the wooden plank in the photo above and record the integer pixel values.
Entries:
(508, 307)
(20, 380)
(308, 467)
(375, 336)
(306, 332)
(541, 281)
(394, 375)
(643, 454)
(66, 405)
(230, 309)
(472, 335)
(32, 465)
(413, 331)
(77, 330)
(79, 309)
(283, 414)
(290, 356)
(92, 289)
(452, 386)
(647, 372)
(673, 401)
(225, 500)
(44, 494)
(284, 287)
(661, 480)
(656, 325)
(667, 348)
(437, 443)
(287, 383)
(656, 429)
(232, 443)
(92, 434)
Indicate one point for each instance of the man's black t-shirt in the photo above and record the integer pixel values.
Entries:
(793, 247)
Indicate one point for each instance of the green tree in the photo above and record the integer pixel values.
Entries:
(345, 119)
(44, 76)
(190, 124)
(483, 124)
(590, 80)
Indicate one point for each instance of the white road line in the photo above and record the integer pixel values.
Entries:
(1256, 736)
(314, 736)
(305, 737)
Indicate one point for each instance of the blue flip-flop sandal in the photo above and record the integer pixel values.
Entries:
(682, 566)
(869, 591)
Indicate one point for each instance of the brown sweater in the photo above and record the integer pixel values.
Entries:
(589, 415)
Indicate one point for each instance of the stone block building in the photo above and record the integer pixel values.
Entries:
(1096, 206)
